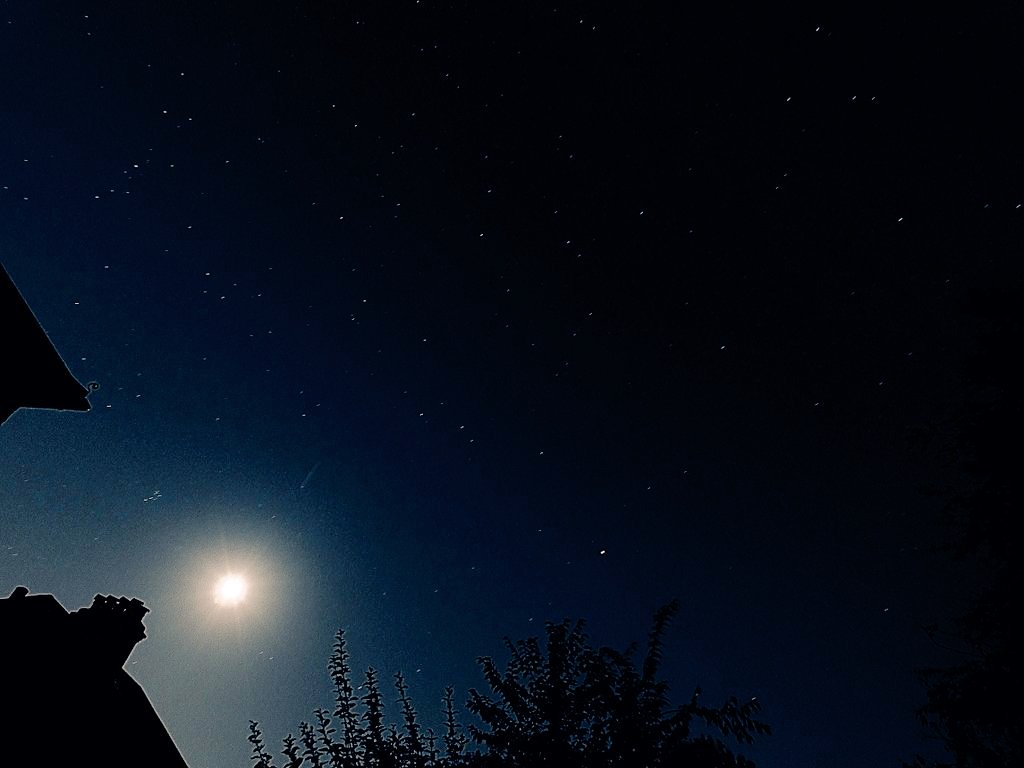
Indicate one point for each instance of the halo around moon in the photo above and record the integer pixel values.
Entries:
(230, 590)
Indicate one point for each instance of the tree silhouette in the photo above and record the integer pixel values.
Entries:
(345, 702)
(972, 704)
(291, 751)
(329, 747)
(312, 751)
(566, 704)
(376, 751)
(259, 754)
(432, 753)
(574, 705)
(411, 744)
(454, 739)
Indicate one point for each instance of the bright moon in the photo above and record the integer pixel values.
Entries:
(230, 590)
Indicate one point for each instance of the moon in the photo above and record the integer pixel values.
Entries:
(230, 590)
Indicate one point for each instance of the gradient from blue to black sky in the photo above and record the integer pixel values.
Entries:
(441, 320)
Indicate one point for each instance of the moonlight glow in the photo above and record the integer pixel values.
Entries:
(230, 590)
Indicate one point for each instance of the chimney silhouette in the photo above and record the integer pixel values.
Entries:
(111, 627)
(64, 687)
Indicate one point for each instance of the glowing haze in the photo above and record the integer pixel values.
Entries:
(230, 590)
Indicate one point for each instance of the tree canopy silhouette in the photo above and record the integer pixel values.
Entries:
(571, 704)
(971, 705)
(562, 703)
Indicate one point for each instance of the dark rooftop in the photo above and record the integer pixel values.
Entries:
(35, 376)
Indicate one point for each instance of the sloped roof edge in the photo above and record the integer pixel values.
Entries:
(35, 375)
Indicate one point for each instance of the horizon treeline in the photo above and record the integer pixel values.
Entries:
(565, 703)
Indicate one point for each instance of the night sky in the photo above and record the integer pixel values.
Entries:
(441, 320)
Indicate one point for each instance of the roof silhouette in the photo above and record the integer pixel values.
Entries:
(35, 376)
(65, 698)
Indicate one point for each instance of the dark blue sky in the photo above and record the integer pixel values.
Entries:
(441, 321)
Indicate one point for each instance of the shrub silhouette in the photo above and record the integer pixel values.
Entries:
(565, 704)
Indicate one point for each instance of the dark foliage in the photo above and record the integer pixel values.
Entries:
(345, 703)
(410, 743)
(291, 751)
(454, 739)
(573, 705)
(259, 754)
(972, 705)
(565, 704)
(376, 751)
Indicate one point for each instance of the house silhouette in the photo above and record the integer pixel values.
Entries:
(66, 698)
